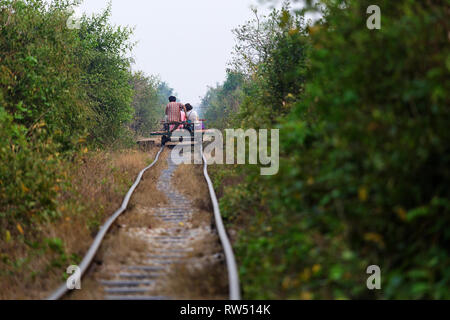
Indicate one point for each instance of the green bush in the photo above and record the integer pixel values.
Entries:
(364, 168)
(149, 101)
(27, 176)
(221, 104)
(42, 110)
(59, 89)
(106, 77)
(375, 148)
(40, 73)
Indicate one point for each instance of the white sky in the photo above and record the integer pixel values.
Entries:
(187, 42)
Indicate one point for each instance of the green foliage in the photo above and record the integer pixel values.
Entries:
(255, 40)
(39, 72)
(221, 104)
(61, 90)
(150, 97)
(278, 80)
(364, 172)
(42, 106)
(267, 73)
(376, 147)
(27, 174)
(106, 76)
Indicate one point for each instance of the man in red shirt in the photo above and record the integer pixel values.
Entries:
(173, 111)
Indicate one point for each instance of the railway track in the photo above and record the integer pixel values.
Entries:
(169, 246)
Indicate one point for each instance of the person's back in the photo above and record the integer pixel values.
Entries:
(192, 116)
(173, 110)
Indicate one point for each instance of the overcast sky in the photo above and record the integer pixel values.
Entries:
(187, 42)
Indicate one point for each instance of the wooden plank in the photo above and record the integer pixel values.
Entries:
(176, 143)
(148, 139)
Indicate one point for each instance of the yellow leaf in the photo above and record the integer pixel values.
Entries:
(19, 227)
(305, 295)
(316, 268)
(85, 150)
(8, 236)
(313, 29)
(401, 213)
(286, 284)
(305, 275)
(24, 188)
(293, 32)
(374, 237)
(290, 96)
(362, 194)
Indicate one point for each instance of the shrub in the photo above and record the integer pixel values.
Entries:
(364, 161)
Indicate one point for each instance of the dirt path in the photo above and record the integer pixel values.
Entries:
(165, 246)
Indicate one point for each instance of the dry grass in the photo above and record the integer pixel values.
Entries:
(146, 196)
(200, 280)
(98, 183)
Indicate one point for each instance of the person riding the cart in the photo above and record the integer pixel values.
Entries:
(173, 112)
(192, 117)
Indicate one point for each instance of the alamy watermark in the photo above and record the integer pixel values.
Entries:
(374, 20)
(74, 20)
(74, 281)
(232, 150)
(374, 280)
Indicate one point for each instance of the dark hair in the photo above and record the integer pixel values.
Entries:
(172, 99)
(188, 107)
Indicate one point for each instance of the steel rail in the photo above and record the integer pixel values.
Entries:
(87, 260)
(233, 277)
